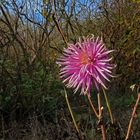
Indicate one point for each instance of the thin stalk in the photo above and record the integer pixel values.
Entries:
(100, 118)
(108, 106)
(92, 106)
(132, 117)
(71, 113)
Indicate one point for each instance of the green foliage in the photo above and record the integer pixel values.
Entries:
(37, 91)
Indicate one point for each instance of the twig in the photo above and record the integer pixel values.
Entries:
(132, 117)
(57, 24)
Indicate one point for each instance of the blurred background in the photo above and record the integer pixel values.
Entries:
(32, 37)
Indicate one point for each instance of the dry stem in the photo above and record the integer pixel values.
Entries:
(92, 106)
(100, 117)
(132, 117)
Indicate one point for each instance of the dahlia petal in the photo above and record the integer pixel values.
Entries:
(100, 81)
(106, 70)
(101, 72)
(106, 53)
(106, 60)
(78, 86)
(66, 80)
(110, 67)
(96, 85)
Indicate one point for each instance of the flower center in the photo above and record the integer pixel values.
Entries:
(85, 59)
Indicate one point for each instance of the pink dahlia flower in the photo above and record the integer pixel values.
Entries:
(85, 65)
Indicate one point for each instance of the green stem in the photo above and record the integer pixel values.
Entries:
(108, 106)
(71, 113)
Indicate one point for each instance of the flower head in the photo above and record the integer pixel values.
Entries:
(86, 64)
